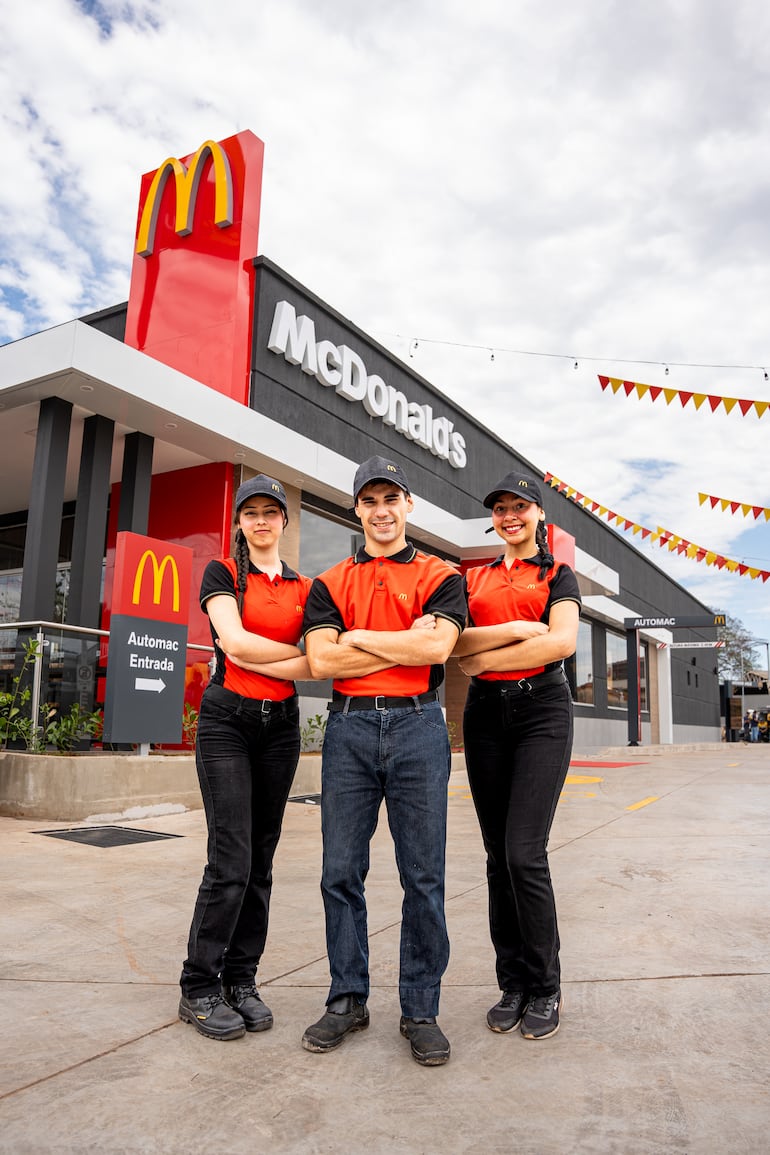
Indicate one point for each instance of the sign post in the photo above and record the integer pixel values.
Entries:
(144, 694)
(633, 626)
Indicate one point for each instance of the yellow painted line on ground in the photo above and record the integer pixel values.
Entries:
(644, 802)
(580, 779)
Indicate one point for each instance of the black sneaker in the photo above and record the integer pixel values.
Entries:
(430, 1046)
(506, 1015)
(244, 998)
(211, 1016)
(541, 1016)
(343, 1016)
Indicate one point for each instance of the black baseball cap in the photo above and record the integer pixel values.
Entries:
(519, 484)
(261, 486)
(378, 469)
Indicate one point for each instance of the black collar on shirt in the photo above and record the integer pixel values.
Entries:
(407, 554)
(537, 560)
(287, 573)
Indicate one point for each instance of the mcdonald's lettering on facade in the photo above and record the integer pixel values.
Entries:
(152, 579)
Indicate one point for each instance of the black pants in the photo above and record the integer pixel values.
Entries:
(517, 751)
(246, 757)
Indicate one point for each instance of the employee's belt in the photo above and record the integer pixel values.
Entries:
(503, 686)
(263, 706)
(380, 702)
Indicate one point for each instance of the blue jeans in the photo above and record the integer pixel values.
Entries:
(246, 759)
(403, 756)
(517, 751)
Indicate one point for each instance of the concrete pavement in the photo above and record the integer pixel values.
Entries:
(662, 872)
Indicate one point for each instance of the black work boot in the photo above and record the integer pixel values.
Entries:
(211, 1016)
(244, 998)
(430, 1046)
(343, 1015)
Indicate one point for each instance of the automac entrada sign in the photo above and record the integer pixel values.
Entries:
(342, 369)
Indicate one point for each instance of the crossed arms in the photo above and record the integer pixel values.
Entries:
(519, 645)
(253, 651)
(355, 653)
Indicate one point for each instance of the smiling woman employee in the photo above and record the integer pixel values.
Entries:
(523, 619)
(246, 754)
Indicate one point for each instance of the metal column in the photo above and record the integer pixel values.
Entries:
(90, 522)
(134, 511)
(41, 547)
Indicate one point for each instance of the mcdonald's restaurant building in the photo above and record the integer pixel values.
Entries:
(146, 417)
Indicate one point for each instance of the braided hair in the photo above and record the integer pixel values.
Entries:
(241, 555)
(546, 557)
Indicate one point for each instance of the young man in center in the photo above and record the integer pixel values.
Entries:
(382, 624)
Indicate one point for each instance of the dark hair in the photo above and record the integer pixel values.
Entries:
(546, 557)
(241, 555)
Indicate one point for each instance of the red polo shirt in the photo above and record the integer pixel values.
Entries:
(386, 593)
(497, 594)
(273, 608)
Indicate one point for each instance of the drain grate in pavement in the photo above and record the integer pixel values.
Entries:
(308, 799)
(106, 835)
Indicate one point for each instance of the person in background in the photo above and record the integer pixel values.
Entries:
(523, 612)
(382, 624)
(754, 726)
(246, 754)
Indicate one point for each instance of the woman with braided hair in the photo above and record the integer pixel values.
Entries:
(523, 611)
(246, 754)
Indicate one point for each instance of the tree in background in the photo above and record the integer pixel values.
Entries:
(738, 655)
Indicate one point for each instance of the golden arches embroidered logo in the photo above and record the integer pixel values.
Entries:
(402, 597)
(158, 571)
(186, 184)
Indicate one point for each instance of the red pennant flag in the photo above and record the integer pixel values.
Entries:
(684, 397)
(629, 387)
(603, 381)
(714, 402)
(745, 406)
(655, 391)
(756, 509)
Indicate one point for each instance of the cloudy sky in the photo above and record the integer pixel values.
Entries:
(514, 196)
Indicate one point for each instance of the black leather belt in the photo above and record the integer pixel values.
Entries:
(262, 706)
(381, 702)
(504, 686)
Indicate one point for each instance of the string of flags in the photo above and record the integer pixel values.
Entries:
(664, 537)
(715, 401)
(745, 507)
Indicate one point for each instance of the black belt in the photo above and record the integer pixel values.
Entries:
(505, 686)
(262, 706)
(380, 702)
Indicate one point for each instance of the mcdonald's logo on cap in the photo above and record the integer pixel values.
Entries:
(158, 570)
(186, 184)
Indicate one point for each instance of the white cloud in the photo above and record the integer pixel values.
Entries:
(587, 180)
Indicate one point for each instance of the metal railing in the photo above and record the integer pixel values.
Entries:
(51, 654)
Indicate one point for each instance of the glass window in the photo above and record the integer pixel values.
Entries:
(617, 670)
(584, 665)
(323, 542)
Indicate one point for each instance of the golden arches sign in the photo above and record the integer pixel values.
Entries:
(158, 570)
(186, 183)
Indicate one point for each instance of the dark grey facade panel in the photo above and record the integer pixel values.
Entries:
(286, 394)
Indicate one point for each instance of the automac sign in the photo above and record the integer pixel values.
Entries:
(342, 369)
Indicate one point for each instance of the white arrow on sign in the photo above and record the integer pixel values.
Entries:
(157, 685)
